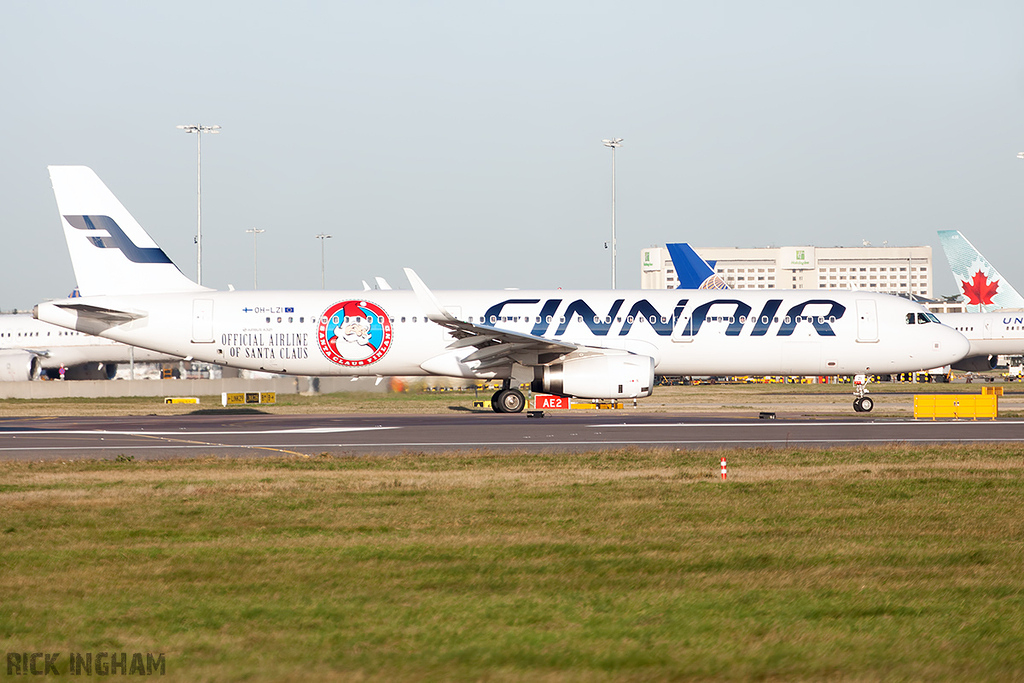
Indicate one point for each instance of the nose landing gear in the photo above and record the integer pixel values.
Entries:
(861, 402)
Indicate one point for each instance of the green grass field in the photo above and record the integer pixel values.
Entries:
(888, 564)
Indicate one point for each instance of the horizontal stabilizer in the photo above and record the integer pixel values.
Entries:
(109, 316)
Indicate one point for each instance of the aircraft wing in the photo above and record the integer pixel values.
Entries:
(494, 346)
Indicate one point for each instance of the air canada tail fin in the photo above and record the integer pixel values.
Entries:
(984, 289)
(692, 271)
(110, 251)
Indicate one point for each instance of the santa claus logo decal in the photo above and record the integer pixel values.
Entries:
(354, 333)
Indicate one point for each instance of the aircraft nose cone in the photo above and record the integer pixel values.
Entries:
(955, 346)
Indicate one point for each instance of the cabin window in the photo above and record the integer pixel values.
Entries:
(414, 318)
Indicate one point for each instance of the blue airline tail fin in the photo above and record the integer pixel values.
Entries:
(692, 271)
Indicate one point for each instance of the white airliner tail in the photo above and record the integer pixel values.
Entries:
(110, 251)
(984, 289)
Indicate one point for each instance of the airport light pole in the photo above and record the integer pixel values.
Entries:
(255, 232)
(614, 143)
(322, 237)
(199, 130)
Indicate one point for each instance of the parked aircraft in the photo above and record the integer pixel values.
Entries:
(587, 344)
(990, 334)
(984, 289)
(30, 348)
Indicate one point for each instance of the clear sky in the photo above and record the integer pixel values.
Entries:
(463, 139)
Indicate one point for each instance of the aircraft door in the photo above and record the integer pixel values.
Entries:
(202, 321)
(988, 328)
(867, 321)
(683, 331)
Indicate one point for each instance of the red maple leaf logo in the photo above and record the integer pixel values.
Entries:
(979, 290)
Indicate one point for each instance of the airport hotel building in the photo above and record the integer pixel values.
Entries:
(890, 270)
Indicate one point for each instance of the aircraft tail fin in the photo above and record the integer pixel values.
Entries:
(983, 288)
(692, 271)
(110, 251)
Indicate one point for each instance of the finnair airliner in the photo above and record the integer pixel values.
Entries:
(585, 344)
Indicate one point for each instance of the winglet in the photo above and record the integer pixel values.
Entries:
(433, 308)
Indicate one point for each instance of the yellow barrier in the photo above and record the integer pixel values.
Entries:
(182, 399)
(992, 391)
(595, 406)
(249, 397)
(956, 406)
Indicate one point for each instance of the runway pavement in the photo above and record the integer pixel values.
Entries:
(146, 437)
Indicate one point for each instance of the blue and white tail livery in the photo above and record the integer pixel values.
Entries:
(692, 271)
(110, 251)
(983, 288)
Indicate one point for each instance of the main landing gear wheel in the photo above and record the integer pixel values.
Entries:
(863, 405)
(508, 401)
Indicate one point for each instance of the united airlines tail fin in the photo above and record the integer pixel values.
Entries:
(984, 289)
(692, 271)
(110, 251)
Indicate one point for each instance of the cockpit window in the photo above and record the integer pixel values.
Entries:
(921, 318)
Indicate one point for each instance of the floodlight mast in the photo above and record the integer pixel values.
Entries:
(199, 129)
(613, 143)
(322, 237)
(255, 232)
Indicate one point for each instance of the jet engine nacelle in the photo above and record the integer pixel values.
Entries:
(18, 366)
(91, 371)
(975, 363)
(600, 375)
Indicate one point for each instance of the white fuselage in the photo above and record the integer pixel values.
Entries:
(686, 332)
(990, 334)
